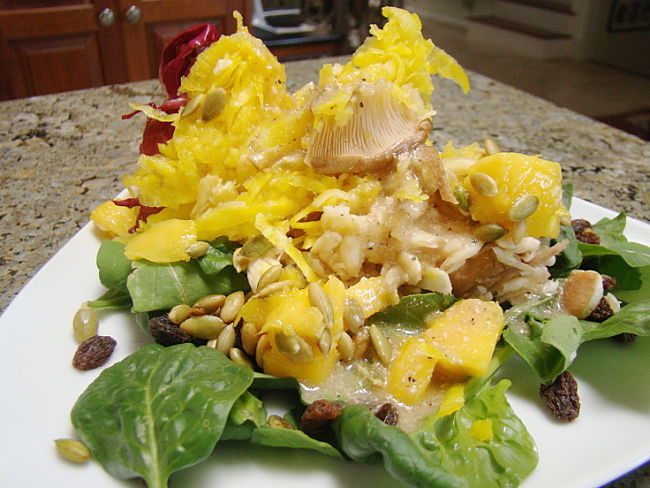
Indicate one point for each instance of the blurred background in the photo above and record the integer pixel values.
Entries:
(592, 56)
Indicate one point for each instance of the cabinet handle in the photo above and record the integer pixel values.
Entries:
(106, 17)
(133, 14)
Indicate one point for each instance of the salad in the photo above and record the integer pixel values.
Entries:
(316, 243)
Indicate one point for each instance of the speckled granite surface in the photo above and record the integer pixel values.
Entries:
(64, 154)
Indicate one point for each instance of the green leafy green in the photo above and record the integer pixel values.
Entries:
(219, 256)
(571, 257)
(111, 300)
(412, 310)
(246, 415)
(159, 286)
(266, 435)
(114, 267)
(159, 410)
(633, 318)
(444, 453)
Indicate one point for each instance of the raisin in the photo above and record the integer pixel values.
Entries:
(387, 413)
(625, 338)
(561, 397)
(609, 282)
(93, 352)
(588, 236)
(319, 415)
(579, 225)
(602, 311)
(166, 332)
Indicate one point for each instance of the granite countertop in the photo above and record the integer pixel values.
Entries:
(64, 154)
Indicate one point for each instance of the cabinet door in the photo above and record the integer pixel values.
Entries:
(57, 47)
(154, 22)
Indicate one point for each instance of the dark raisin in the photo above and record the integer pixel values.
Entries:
(609, 282)
(602, 311)
(166, 332)
(580, 225)
(588, 237)
(561, 397)
(93, 352)
(319, 415)
(625, 338)
(388, 414)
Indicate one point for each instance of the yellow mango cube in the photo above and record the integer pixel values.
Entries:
(410, 373)
(162, 242)
(372, 295)
(516, 176)
(466, 334)
(114, 220)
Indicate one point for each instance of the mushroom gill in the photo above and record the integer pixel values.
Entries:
(380, 126)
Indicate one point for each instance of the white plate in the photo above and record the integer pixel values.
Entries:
(39, 387)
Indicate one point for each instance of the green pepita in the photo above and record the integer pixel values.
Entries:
(353, 318)
(232, 305)
(210, 303)
(237, 356)
(85, 323)
(191, 106)
(257, 246)
(226, 339)
(203, 326)
(72, 450)
(197, 249)
(491, 147)
(213, 104)
(319, 299)
(489, 232)
(523, 207)
(278, 422)
(179, 313)
(462, 196)
(295, 347)
(346, 347)
(484, 184)
(380, 344)
(249, 337)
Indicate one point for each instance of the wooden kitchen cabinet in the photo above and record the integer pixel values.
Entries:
(60, 45)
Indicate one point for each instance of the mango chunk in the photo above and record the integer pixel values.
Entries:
(452, 400)
(410, 373)
(466, 334)
(372, 295)
(516, 176)
(481, 430)
(162, 242)
(114, 219)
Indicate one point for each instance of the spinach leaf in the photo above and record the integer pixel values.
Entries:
(114, 267)
(246, 414)
(159, 410)
(219, 256)
(567, 195)
(266, 435)
(610, 230)
(633, 318)
(571, 257)
(262, 381)
(111, 300)
(444, 453)
(159, 286)
(412, 310)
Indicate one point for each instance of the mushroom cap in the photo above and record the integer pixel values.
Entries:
(378, 126)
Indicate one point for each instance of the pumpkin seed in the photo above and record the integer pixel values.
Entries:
(210, 303)
(523, 207)
(491, 147)
(361, 340)
(179, 313)
(203, 326)
(462, 196)
(319, 299)
(191, 106)
(353, 317)
(197, 249)
(257, 246)
(72, 450)
(274, 287)
(212, 343)
(260, 349)
(325, 341)
(271, 275)
(239, 261)
(484, 184)
(237, 356)
(279, 423)
(519, 232)
(380, 344)
(249, 337)
(213, 104)
(346, 347)
(232, 305)
(565, 220)
(295, 347)
(226, 339)
(85, 323)
(490, 232)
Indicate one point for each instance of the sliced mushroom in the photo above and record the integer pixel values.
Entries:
(380, 127)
